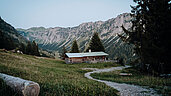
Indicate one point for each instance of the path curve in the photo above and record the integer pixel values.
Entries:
(124, 89)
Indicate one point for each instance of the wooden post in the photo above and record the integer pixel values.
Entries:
(23, 87)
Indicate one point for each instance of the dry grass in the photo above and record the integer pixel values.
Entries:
(54, 76)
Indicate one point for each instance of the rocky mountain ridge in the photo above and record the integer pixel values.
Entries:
(53, 39)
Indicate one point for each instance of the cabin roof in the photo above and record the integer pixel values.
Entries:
(86, 54)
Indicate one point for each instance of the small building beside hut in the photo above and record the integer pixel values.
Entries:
(88, 57)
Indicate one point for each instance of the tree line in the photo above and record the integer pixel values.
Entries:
(149, 34)
(31, 48)
(8, 43)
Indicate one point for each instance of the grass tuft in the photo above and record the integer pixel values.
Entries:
(54, 76)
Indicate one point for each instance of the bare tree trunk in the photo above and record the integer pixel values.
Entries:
(24, 87)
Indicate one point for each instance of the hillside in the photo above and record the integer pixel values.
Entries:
(9, 37)
(54, 76)
(53, 39)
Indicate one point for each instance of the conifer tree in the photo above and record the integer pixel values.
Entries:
(32, 49)
(95, 44)
(2, 43)
(35, 49)
(63, 53)
(149, 34)
(74, 48)
(29, 48)
(22, 48)
(6, 42)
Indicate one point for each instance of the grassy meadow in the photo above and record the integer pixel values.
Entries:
(161, 85)
(54, 76)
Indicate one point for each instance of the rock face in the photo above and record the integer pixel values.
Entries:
(55, 38)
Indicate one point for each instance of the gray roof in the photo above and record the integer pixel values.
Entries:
(86, 54)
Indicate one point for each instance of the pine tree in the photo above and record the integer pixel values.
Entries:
(74, 48)
(2, 40)
(149, 34)
(159, 28)
(6, 42)
(22, 48)
(63, 53)
(32, 49)
(95, 44)
(35, 49)
(29, 48)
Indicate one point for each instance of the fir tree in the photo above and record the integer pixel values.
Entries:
(22, 48)
(63, 53)
(74, 48)
(29, 48)
(6, 42)
(35, 49)
(149, 34)
(95, 44)
(32, 49)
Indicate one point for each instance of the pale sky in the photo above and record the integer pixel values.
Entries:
(60, 13)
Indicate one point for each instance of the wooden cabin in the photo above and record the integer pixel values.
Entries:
(88, 57)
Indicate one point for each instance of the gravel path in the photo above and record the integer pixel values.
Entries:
(124, 89)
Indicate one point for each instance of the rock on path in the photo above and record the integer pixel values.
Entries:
(124, 89)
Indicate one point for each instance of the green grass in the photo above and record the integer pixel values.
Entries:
(54, 76)
(162, 85)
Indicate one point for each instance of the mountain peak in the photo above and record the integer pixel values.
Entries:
(57, 37)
